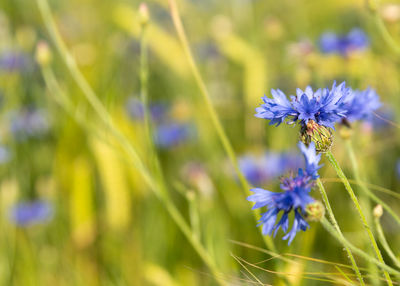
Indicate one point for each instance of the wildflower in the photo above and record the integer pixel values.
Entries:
(355, 40)
(172, 134)
(293, 198)
(135, 109)
(315, 111)
(360, 105)
(29, 213)
(315, 211)
(260, 170)
(11, 61)
(29, 123)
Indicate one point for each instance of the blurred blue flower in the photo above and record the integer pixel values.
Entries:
(12, 61)
(323, 106)
(259, 170)
(28, 123)
(380, 120)
(29, 213)
(355, 40)
(398, 169)
(294, 197)
(135, 109)
(360, 105)
(171, 134)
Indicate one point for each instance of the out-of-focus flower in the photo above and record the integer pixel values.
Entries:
(391, 13)
(360, 105)
(355, 40)
(300, 49)
(323, 106)
(13, 61)
(294, 197)
(135, 109)
(196, 175)
(30, 213)
(171, 134)
(379, 120)
(29, 123)
(259, 170)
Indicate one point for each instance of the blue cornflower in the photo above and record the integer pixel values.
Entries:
(323, 106)
(360, 105)
(11, 61)
(294, 197)
(171, 134)
(259, 170)
(29, 213)
(355, 40)
(135, 109)
(29, 123)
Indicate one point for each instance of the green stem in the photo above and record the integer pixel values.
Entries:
(328, 227)
(363, 198)
(374, 9)
(385, 244)
(353, 197)
(159, 189)
(210, 108)
(339, 232)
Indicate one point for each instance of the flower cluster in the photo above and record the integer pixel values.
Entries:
(295, 197)
(30, 213)
(355, 40)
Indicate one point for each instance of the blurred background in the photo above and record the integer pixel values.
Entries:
(75, 210)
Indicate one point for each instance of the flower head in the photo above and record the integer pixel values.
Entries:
(172, 134)
(29, 213)
(29, 123)
(11, 61)
(355, 40)
(360, 105)
(135, 109)
(294, 197)
(323, 106)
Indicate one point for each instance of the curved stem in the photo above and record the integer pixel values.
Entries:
(337, 228)
(159, 190)
(328, 227)
(353, 197)
(210, 108)
(385, 244)
(374, 9)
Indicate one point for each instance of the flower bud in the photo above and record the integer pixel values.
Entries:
(43, 53)
(315, 211)
(144, 16)
(320, 135)
(378, 211)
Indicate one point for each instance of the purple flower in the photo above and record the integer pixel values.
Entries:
(323, 106)
(360, 105)
(355, 40)
(29, 123)
(171, 134)
(29, 213)
(135, 109)
(11, 61)
(293, 197)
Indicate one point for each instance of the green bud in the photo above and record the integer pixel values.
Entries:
(315, 211)
(320, 135)
(378, 211)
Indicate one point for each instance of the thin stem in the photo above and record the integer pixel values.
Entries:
(159, 190)
(385, 244)
(328, 227)
(353, 197)
(373, 7)
(339, 232)
(364, 198)
(210, 108)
